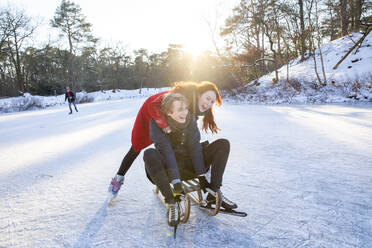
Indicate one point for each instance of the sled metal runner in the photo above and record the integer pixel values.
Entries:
(226, 211)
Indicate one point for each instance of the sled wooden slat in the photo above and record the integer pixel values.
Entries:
(187, 187)
(190, 185)
(195, 184)
(193, 198)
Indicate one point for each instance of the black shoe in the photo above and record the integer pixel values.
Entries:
(226, 203)
(70, 113)
(203, 182)
(178, 189)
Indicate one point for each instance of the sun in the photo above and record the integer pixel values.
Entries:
(195, 49)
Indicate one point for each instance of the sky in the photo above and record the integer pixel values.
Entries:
(148, 24)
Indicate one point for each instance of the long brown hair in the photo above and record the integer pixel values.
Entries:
(192, 91)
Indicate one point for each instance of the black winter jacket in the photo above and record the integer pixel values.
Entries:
(179, 147)
(70, 98)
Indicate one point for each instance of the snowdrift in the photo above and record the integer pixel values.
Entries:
(350, 82)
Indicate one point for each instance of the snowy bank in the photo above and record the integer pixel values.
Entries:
(30, 102)
(351, 81)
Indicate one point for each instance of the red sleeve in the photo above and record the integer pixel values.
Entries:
(154, 110)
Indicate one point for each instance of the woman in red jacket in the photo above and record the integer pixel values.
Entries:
(202, 97)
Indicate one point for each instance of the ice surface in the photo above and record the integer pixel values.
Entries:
(303, 173)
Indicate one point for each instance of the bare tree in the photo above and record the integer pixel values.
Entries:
(272, 32)
(20, 29)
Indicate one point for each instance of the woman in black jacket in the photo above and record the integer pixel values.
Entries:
(70, 96)
(179, 155)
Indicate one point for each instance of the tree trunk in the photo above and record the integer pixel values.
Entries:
(312, 48)
(343, 5)
(332, 26)
(302, 24)
(287, 57)
(280, 50)
(70, 63)
(358, 14)
(17, 63)
(263, 49)
(352, 48)
(19, 71)
(319, 49)
(275, 59)
(256, 27)
(352, 15)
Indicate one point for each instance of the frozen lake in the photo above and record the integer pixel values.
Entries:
(302, 173)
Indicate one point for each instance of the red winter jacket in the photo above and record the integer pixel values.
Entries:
(151, 109)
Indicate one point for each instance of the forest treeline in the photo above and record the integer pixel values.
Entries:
(260, 37)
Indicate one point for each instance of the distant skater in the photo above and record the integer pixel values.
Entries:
(70, 96)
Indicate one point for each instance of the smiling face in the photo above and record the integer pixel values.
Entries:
(206, 100)
(179, 111)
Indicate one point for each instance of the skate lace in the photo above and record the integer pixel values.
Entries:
(172, 213)
(116, 183)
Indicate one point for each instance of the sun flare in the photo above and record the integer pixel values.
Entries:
(196, 49)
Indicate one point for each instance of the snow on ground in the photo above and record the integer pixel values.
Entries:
(302, 173)
(350, 82)
(354, 67)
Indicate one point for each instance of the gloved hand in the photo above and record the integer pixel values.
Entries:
(203, 183)
(167, 130)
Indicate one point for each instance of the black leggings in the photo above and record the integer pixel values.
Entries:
(215, 156)
(127, 161)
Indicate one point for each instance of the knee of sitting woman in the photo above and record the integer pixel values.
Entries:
(150, 154)
(224, 143)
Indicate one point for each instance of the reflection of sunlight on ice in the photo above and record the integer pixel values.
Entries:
(18, 115)
(342, 124)
(23, 154)
(95, 116)
(61, 197)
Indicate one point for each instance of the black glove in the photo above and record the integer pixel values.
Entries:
(203, 183)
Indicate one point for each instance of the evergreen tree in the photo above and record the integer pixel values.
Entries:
(72, 24)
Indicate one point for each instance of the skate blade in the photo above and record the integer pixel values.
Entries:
(110, 199)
